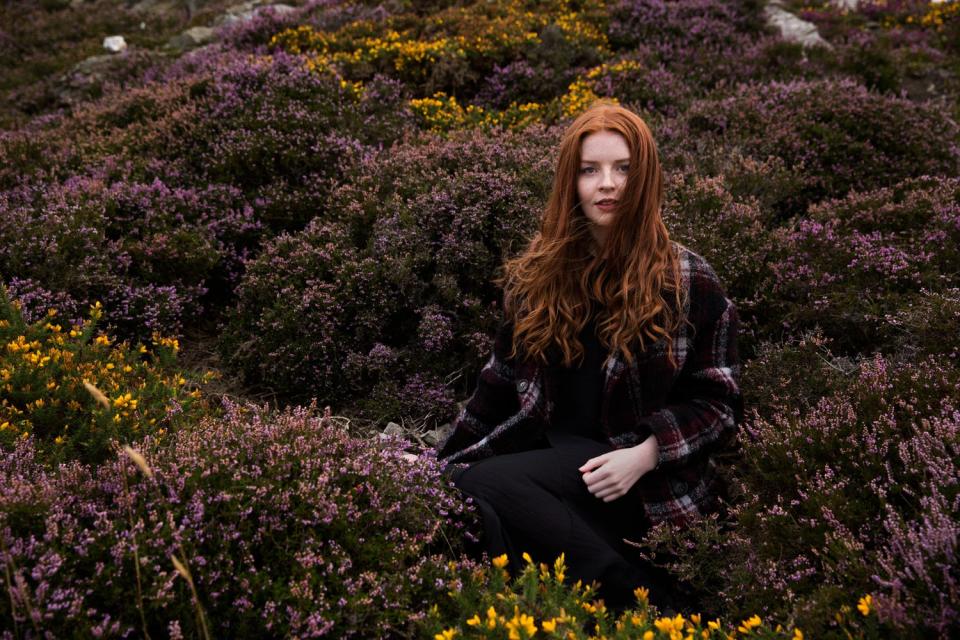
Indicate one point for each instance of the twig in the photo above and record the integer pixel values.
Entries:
(136, 556)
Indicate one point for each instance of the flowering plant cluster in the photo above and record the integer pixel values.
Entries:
(855, 266)
(846, 483)
(451, 49)
(395, 290)
(154, 253)
(541, 602)
(839, 134)
(251, 525)
(331, 190)
(73, 391)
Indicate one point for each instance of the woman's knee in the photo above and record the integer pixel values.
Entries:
(506, 474)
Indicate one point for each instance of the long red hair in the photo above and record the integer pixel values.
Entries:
(634, 280)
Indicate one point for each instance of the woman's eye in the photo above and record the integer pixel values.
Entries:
(624, 168)
(586, 169)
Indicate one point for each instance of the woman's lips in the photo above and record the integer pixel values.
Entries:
(606, 205)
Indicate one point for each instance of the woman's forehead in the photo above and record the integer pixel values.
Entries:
(604, 145)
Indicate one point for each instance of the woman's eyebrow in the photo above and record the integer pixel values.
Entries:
(584, 161)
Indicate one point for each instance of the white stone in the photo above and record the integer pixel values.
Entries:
(393, 429)
(849, 5)
(792, 28)
(114, 44)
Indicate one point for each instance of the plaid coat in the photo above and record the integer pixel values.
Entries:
(691, 408)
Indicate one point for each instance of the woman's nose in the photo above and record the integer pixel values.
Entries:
(607, 181)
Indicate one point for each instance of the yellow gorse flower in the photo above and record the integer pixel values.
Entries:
(500, 561)
(446, 634)
(749, 624)
(125, 400)
(864, 604)
(520, 622)
(492, 617)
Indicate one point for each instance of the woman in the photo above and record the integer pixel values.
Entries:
(613, 376)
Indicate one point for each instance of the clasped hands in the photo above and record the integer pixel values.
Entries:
(611, 475)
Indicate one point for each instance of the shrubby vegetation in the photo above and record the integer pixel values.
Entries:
(325, 195)
(252, 524)
(391, 291)
(73, 391)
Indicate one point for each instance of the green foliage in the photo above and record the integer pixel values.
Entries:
(78, 393)
(489, 604)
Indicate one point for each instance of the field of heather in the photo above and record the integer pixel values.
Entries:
(237, 249)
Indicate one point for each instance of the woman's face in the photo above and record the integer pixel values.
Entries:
(604, 163)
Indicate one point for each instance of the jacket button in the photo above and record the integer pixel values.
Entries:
(522, 386)
(679, 487)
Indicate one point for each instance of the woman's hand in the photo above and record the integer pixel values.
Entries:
(611, 475)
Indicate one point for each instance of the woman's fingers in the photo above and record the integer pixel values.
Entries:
(593, 463)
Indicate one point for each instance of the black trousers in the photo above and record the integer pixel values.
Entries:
(537, 502)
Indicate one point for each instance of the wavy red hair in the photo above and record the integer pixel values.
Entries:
(633, 280)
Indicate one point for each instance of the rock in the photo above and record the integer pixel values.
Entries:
(84, 80)
(849, 5)
(191, 38)
(87, 79)
(114, 44)
(434, 437)
(393, 429)
(792, 28)
(250, 10)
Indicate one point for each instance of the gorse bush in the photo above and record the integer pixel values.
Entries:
(397, 284)
(489, 604)
(286, 525)
(454, 48)
(74, 392)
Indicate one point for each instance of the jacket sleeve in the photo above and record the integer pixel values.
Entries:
(705, 404)
(494, 400)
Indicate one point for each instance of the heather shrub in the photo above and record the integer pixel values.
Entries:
(730, 233)
(839, 135)
(520, 82)
(281, 133)
(926, 325)
(75, 392)
(267, 125)
(793, 375)
(654, 90)
(282, 526)
(681, 35)
(764, 181)
(855, 493)
(852, 263)
(154, 254)
(395, 289)
(31, 68)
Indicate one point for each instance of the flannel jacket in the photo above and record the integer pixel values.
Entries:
(692, 408)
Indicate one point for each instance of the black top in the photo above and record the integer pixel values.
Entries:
(578, 390)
